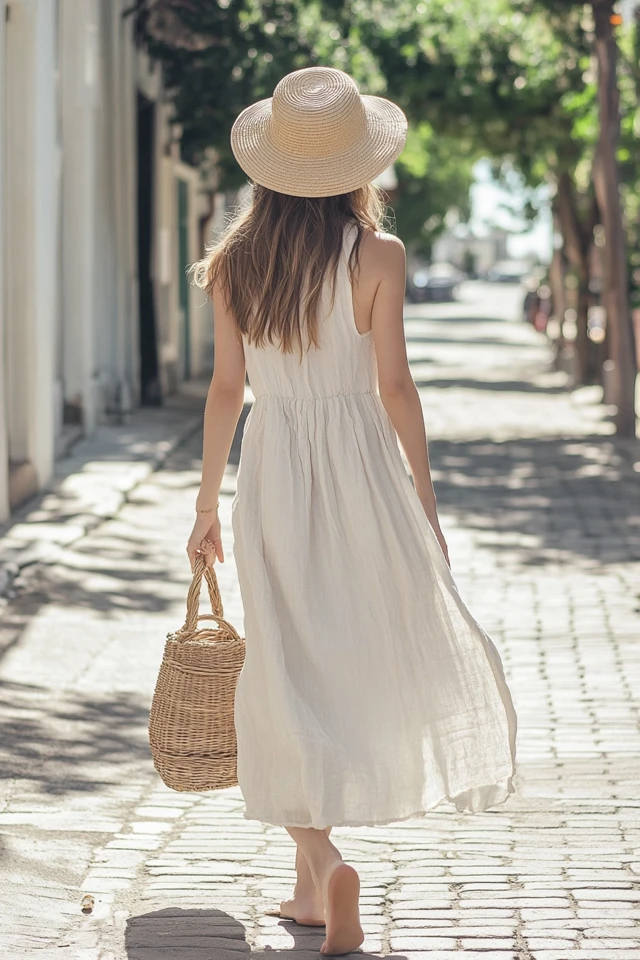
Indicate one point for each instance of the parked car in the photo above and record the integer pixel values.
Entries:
(438, 282)
(508, 271)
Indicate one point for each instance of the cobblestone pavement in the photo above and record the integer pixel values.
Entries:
(541, 510)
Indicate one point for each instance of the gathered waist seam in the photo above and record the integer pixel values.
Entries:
(328, 396)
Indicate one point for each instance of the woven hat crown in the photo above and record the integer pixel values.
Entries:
(317, 112)
(317, 136)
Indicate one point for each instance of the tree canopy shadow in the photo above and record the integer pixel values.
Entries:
(449, 341)
(576, 496)
(465, 318)
(491, 386)
(66, 743)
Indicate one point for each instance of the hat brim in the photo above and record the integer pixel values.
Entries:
(381, 143)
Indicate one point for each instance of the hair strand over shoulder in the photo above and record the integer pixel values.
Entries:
(273, 260)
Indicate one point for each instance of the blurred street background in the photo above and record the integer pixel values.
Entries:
(518, 199)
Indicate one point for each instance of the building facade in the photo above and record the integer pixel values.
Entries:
(100, 219)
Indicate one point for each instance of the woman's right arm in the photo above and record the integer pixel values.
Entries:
(398, 391)
(222, 411)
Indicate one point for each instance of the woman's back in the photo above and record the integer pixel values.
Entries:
(343, 364)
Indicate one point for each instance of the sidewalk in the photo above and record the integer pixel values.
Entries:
(80, 584)
(92, 482)
(540, 508)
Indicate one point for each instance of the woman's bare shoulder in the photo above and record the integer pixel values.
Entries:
(382, 253)
(382, 260)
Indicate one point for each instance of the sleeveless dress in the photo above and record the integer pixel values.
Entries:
(369, 693)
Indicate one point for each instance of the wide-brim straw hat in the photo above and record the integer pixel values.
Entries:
(318, 136)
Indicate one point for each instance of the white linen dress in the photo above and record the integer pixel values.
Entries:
(369, 693)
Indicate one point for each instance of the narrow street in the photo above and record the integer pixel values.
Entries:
(541, 510)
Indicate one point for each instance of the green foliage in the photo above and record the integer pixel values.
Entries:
(628, 153)
(511, 79)
(582, 110)
(434, 174)
(482, 72)
(220, 56)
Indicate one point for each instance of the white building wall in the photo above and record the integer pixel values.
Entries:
(30, 188)
(169, 169)
(79, 102)
(69, 326)
(165, 259)
(99, 251)
(116, 312)
(197, 318)
(4, 439)
(120, 133)
(45, 237)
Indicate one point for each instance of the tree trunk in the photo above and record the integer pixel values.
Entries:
(577, 235)
(607, 186)
(583, 345)
(558, 293)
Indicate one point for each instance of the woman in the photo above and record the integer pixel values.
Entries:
(369, 693)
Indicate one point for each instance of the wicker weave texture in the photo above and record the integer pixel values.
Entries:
(317, 136)
(191, 723)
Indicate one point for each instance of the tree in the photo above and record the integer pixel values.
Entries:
(219, 57)
(629, 82)
(607, 184)
(515, 78)
(511, 85)
(606, 178)
(434, 175)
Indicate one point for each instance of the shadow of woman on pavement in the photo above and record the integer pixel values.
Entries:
(177, 933)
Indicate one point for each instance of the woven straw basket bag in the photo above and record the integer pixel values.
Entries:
(191, 723)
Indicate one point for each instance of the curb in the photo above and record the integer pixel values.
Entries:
(45, 525)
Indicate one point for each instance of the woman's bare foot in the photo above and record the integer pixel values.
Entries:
(305, 907)
(306, 912)
(340, 888)
(342, 891)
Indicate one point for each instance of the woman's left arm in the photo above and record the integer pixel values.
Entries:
(222, 412)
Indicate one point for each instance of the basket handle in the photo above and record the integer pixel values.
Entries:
(221, 623)
(202, 569)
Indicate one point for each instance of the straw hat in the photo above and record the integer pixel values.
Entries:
(317, 136)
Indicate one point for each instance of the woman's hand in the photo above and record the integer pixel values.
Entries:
(205, 529)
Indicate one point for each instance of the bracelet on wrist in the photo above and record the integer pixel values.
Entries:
(208, 509)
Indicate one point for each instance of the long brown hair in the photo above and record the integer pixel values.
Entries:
(279, 247)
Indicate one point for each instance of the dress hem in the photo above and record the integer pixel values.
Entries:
(417, 814)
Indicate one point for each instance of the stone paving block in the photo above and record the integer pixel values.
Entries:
(456, 955)
(587, 897)
(419, 903)
(550, 943)
(494, 944)
(537, 926)
(133, 843)
(610, 943)
(194, 953)
(403, 943)
(487, 912)
(585, 954)
(489, 930)
(520, 901)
